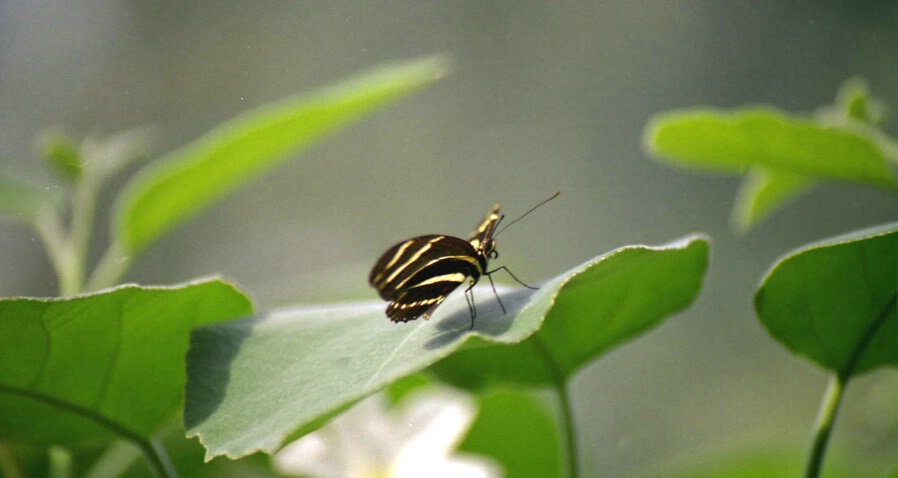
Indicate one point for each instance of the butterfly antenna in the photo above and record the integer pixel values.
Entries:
(528, 212)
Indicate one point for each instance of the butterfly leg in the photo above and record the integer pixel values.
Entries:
(493, 285)
(472, 308)
(512, 276)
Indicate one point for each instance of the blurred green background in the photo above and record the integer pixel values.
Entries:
(543, 96)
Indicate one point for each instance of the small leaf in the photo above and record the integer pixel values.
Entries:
(60, 153)
(253, 384)
(736, 141)
(23, 202)
(834, 302)
(193, 177)
(104, 365)
(519, 432)
(763, 191)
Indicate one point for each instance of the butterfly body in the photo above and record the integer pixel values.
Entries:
(416, 275)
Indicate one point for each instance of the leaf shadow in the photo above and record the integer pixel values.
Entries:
(207, 381)
(490, 320)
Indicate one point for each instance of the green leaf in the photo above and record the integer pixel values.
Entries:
(853, 103)
(762, 192)
(609, 302)
(23, 202)
(193, 177)
(60, 153)
(834, 302)
(519, 432)
(103, 365)
(735, 141)
(255, 383)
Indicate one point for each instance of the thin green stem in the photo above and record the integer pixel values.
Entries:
(564, 400)
(570, 434)
(110, 269)
(157, 459)
(826, 417)
(50, 229)
(81, 226)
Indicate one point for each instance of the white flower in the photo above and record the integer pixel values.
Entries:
(372, 440)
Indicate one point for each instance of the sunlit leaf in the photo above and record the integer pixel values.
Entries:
(196, 175)
(103, 365)
(735, 141)
(762, 192)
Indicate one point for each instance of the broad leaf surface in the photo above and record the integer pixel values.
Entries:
(103, 365)
(735, 141)
(253, 384)
(193, 177)
(834, 302)
(609, 302)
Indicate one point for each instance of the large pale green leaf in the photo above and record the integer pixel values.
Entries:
(608, 303)
(103, 365)
(191, 178)
(834, 302)
(734, 141)
(255, 383)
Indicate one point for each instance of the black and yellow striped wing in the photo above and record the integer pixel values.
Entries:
(416, 275)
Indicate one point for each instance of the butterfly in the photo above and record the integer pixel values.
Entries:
(416, 275)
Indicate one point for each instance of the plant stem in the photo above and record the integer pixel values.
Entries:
(826, 416)
(110, 269)
(157, 459)
(570, 434)
(81, 226)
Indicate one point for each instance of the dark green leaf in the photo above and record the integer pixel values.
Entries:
(255, 383)
(834, 302)
(519, 432)
(103, 365)
(193, 177)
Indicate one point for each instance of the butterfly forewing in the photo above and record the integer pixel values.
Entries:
(416, 275)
